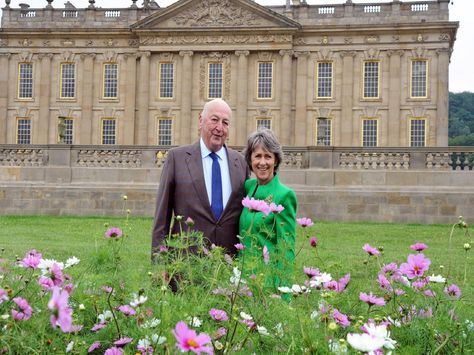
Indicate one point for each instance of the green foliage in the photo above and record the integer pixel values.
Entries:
(461, 118)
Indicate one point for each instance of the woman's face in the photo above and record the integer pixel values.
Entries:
(263, 165)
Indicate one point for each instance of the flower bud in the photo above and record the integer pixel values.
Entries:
(125, 198)
(332, 326)
(467, 246)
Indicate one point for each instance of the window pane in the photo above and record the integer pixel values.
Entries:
(418, 78)
(371, 79)
(164, 131)
(265, 73)
(108, 131)
(25, 82)
(417, 133)
(23, 134)
(323, 131)
(110, 81)
(166, 80)
(215, 80)
(324, 79)
(68, 131)
(369, 133)
(68, 80)
(264, 123)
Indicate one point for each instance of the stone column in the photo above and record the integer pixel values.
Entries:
(347, 133)
(130, 99)
(286, 91)
(85, 131)
(183, 124)
(392, 132)
(241, 119)
(141, 125)
(300, 122)
(46, 129)
(4, 63)
(443, 99)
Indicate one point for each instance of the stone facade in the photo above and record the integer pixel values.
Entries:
(340, 75)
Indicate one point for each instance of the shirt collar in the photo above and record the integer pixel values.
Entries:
(205, 151)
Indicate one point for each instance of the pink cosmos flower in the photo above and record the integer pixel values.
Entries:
(429, 293)
(218, 314)
(31, 261)
(56, 275)
(188, 340)
(370, 250)
(220, 333)
(46, 283)
(163, 249)
(304, 222)
(276, 208)
(3, 295)
(311, 272)
(256, 205)
(384, 283)
(113, 351)
(107, 289)
(99, 326)
(340, 318)
(416, 266)
(23, 311)
(62, 313)
(94, 346)
(390, 268)
(113, 233)
(313, 241)
(418, 247)
(420, 283)
(239, 246)
(371, 299)
(266, 255)
(249, 323)
(343, 282)
(127, 310)
(123, 341)
(453, 291)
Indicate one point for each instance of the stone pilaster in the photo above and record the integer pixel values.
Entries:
(442, 102)
(184, 124)
(45, 131)
(347, 134)
(141, 127)
(4, 63)
(240, 133)
(130, 103)
(85, 124)
(300, 125)
(392, 131)
(286, 90)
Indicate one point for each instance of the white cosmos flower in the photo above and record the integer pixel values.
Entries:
(152, 323)
(336, 347)
(245, 316)
(237, 277)
(285, 289)
(298, 289)
(104, 316)
(438, 279)
(46, 264)
(318, 280)
(365, 342)
(380, 331)
(71, 262)
(279, 330)
(262, 330)
(314, 314)
(138, 301)
(144, 342)
(69, 346)
(158, 339)
(194, 321)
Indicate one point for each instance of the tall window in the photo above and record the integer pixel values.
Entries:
(165, 130)
(419, 78)
(110, 80)
(417, 132)
(264, 123)
(68, 131)
(108, 130)
(323, 131)
(166, 80)
(68, 81)
(324, 80)
(23, 131)
(371, 79)
(369, 133)
(25, 81)
(265, 80)
(215, 80)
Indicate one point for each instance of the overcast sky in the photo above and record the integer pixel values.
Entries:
(461, 72)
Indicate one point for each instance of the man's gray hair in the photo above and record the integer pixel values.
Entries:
(266, 139)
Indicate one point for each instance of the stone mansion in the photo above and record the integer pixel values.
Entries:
(351, 74)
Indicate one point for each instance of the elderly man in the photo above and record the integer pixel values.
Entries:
(204, 181)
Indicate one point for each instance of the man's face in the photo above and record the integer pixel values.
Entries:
(214, 124)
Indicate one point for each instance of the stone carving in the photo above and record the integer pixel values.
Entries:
(324, 54)
(111, 158)
(396, 38)
(419, 52)
(264, 56)
(67, 42)
(343, 54)
(216, 13)
(23, 157)
(46, 43)
(3, 42)
(230, 39)
(325, 40)
(444, 37)
(67, 56)
(438, 161)
(89, 43)
(110, 56)
(160, 158)
(293, 160)
(110, 42)
(300, 41)
(372, 39)
(395, 161)
(348, 40)
(25, 42)
(399, 52)
(371, 53)
(133, 42)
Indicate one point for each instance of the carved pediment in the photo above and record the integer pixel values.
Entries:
(214, 14)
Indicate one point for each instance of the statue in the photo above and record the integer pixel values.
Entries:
(61, 129)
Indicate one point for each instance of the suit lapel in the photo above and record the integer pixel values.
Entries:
(194, 163)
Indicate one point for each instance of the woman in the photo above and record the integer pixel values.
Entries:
(269, 240)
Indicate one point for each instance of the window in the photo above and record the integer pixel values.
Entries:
(215, 80)
(110, 81)
(165, 130)
(166, 80)
(23, 131)
(324, 76)
(264, 123)
(371, 80)
(25, 81)
(417, 132)
(369, 133)
(68, 81)
(108, 130)
(323, 131)
(419, 78)
(265, 80)
(68, 130)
